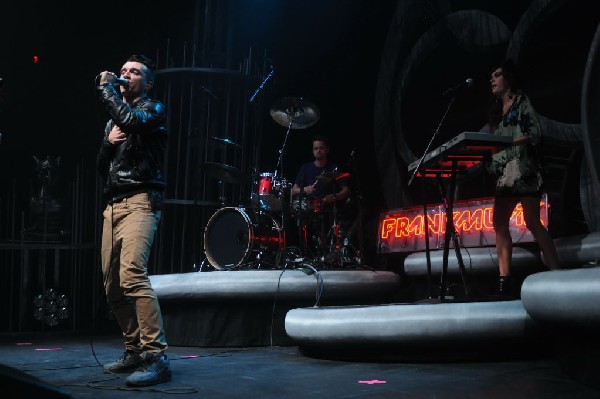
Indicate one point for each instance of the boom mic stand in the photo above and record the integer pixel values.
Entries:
(259, 88)
(437, 130)
(425, 220)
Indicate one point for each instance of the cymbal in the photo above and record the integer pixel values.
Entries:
(299, 112)
(224, 141)
(223, 172)
(327, 177)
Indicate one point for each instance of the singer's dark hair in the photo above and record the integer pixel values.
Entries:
(142, 59)
(511, 75)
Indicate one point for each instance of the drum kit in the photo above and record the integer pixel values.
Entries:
(254, 236)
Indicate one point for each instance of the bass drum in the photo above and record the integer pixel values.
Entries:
(235, 236)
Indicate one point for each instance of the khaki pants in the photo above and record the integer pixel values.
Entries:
(127, 236)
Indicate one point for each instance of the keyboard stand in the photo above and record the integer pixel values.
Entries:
(446, 169)
(451, 158)
(450, 233)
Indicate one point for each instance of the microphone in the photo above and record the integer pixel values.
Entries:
(467, 82)
(121, 82)
(118, 81)
(267, 62)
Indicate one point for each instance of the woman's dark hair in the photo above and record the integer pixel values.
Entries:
(511, 76)
(142, 59)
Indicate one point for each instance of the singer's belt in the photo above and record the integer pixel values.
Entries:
(118, 198)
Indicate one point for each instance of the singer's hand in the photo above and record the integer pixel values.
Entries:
(116, 135)
(107, 77)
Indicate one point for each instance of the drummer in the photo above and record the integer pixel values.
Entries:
(321, 191)
(318, 186)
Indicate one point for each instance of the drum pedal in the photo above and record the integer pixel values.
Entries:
(346, 261)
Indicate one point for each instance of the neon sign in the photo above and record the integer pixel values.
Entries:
(403, 230)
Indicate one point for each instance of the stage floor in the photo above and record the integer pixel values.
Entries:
(68, 362)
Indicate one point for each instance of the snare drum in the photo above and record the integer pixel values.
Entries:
(234, 236)
(303, 205)
(282, 186)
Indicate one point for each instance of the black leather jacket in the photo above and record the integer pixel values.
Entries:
(137, 164)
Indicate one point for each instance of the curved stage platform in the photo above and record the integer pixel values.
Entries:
(573, 251)
(357, 313)
(427, 331)
(410, 324)
(248, 307)
(261, 284)
(566, 302)
(558, 314)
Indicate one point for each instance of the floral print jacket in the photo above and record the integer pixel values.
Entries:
(518, 166)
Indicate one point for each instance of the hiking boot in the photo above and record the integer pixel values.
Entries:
(156, 369)
(128, 362)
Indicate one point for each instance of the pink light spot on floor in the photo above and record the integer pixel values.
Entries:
(48, 349)
(371, 382)
(188, 356)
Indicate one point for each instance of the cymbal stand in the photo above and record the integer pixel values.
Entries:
(337, 256)
(301, 223)
(359, 197)
(279, 166)
(336, 232)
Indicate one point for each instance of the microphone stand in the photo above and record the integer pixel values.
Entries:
(437, 130)
(259, 88)
(425, 221)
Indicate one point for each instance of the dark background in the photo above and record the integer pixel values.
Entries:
(328, 52)
(325, 52)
